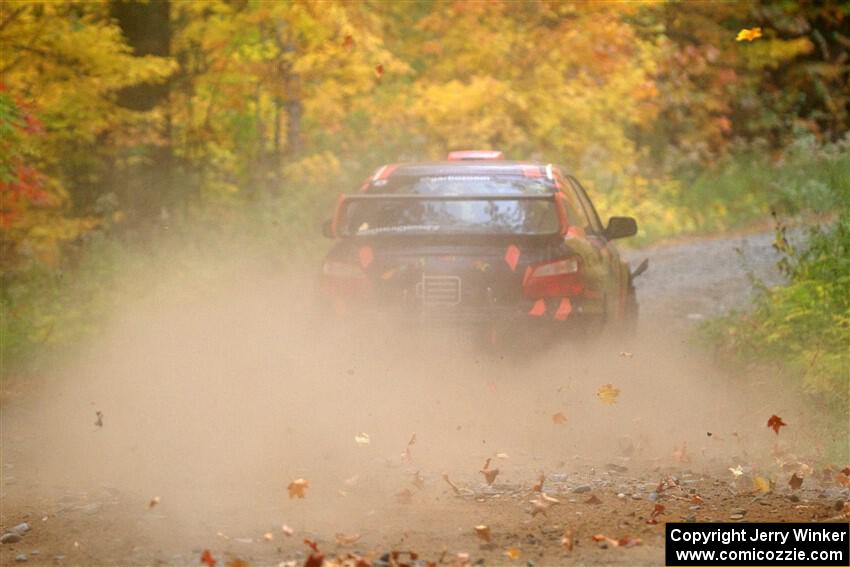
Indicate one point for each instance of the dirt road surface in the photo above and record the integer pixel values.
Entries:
(213, 401)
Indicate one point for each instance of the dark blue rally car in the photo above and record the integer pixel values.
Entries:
(477, 239)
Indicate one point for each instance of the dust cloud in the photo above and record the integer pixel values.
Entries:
(216, 395)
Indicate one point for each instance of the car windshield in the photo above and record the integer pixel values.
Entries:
(477, 216)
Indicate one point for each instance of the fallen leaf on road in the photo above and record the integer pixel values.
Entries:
(412, 440)
(775, 422)
(348, 43)
(268, 536)
(297, 488)
(697, 499)
(207, 558)
(559, 418)
(625, 354)
(539, 486)
(461, 560)
(795, 482)
(761, 484)
(287, 530)
(99, 421)
(483, 533)
(567, 539)
(656, 511)
(607, 393)
(379, 71)
(737, 471)
(236, 562)
(666, 483)
(154, 501)
(502, 456)
(628, 541)
(539, 506)
(593, 500)
(625, 541)
(513, 553)
(343, 539)
(362, 439)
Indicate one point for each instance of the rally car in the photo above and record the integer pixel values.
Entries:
(477, 239)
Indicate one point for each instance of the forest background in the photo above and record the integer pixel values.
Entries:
(229, 127)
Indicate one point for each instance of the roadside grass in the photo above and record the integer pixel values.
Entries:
(802, 329)
(810, 179)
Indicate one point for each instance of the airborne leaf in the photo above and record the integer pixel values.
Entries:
(775, 422)
(483, 533)
(795, 482)
(490, 475)
(362, 439)
(297, 488)
(748, 34)
(607, 393)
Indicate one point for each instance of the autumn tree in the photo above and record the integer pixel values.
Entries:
(63, 64)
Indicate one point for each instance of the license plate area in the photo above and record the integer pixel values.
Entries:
(439, 290)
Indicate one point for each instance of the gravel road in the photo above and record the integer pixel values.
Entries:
(212, 404)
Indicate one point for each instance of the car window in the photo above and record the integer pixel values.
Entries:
(575, 212)
(481, 216)
(595, 225)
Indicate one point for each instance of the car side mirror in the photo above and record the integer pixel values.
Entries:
(328, 229)
(620, 227)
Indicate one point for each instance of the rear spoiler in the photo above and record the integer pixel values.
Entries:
(343, 200)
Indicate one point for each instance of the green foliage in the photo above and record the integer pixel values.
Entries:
(745, 187)
(802, 327)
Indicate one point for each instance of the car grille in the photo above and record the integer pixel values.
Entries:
(440, 290)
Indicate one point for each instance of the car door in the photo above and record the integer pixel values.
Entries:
(609, 255)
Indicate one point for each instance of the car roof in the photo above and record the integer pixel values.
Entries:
(468, 167)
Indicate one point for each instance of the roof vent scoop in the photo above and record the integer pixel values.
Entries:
(475, 155)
